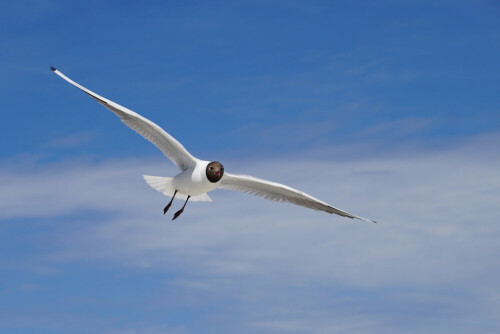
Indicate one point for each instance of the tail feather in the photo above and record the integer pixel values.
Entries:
(159, 183)
(164, 185)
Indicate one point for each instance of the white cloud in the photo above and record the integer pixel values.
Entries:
(71, 141)
(434, 249)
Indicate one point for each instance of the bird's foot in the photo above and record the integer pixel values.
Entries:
(167, 207)
(178, 213)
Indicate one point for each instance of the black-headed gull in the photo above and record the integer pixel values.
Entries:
(197, 177)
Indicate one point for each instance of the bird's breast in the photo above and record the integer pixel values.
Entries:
(193, 182)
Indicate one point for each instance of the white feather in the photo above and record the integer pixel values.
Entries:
(164, 185)
(143, 126)
(279, 192)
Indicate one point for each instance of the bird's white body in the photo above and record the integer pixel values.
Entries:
(192, 182)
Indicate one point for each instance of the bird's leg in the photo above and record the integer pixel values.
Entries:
(178, 213)
(169, 204)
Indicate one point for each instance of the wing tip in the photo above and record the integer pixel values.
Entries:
(367, 220)
(53, 68)
(363, 219)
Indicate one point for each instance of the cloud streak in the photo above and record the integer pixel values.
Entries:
(432, 259)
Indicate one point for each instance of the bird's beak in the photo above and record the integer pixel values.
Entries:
(218, 172)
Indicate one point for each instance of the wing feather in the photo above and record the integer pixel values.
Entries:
(280, 193)
(149, 130)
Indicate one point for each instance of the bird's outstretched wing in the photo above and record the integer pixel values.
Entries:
(149, 130)
(279, 192)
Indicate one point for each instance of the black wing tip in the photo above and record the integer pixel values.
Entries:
(366, 220)
(53, 68)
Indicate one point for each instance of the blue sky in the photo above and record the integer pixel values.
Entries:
(388, 109)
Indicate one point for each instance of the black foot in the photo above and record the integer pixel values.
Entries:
(178, 213)
(167, 207)
(169, 203)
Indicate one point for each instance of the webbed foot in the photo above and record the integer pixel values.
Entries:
(178, 213)
(169, 204)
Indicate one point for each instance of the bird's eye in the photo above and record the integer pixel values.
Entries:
(211, 167)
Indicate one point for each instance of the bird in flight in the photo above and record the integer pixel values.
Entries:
(198, 177)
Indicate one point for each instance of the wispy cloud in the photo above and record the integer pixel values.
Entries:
(431, 259)
(71, 141)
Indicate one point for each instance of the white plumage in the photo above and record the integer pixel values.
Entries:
(192, 182)
(165, 186)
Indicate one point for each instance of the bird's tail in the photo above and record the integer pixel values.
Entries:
(164, 185)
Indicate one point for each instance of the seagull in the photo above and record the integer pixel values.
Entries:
(198, 177)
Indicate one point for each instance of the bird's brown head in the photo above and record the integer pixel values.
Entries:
(215, 170)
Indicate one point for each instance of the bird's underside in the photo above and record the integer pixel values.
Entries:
(197, 177)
